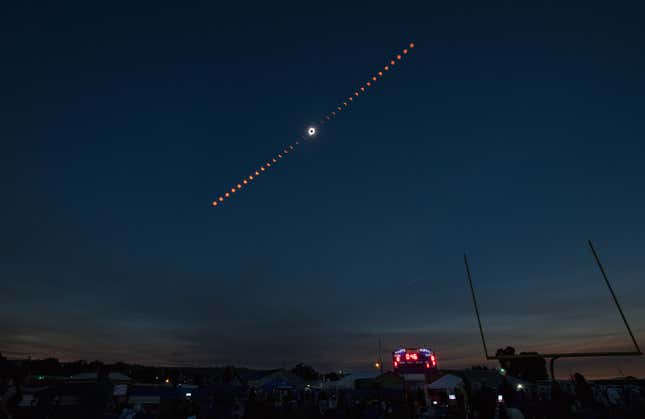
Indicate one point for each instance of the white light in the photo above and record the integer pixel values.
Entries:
(500, 398)
(189, 394)
(452, 397)
(311, 131)
(520, 386)
(435, 402)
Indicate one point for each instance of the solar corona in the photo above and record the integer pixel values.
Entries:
(312, 131)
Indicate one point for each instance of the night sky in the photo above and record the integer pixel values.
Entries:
(510, 134)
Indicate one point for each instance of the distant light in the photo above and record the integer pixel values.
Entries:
(167, 380)
(189, 394)
(311, 131)
(452, 397)
(520, 386)
(377, 365)
(500, 398)
(435, 402)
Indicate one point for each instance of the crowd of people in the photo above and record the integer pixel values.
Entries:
(578, 399)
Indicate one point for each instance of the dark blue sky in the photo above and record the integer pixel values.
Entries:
(512, 134)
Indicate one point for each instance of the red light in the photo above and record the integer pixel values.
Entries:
(434, 360)
(411, 356)
(396, 364)
(427, 365)
(398, 358)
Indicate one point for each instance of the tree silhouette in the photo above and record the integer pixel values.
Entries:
(305, 372)
(531, 366)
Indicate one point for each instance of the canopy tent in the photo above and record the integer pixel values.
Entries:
(348, 381)
(277, 384)
(446, 382)
(279, 380)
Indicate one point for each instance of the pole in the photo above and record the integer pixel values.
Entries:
(620, 310)
(380, 355)
(472, 291)
(552, 367)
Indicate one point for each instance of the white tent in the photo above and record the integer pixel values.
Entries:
(447, 382)
(348, 381)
